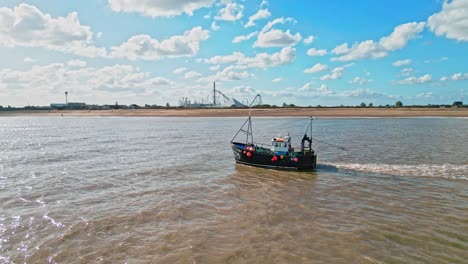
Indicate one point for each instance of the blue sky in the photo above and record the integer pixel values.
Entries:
(306, 53)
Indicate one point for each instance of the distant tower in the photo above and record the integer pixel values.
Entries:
(214, 93)
(66, 97)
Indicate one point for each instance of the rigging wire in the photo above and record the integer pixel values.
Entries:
(333, 145)
(326, 143)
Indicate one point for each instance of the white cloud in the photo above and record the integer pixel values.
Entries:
(370, 49)
(179, 70)
(309, 91)
(276, 80)
(280, 20)
(26, 26)
(316, 68)
(323, 90)
(400, 36)
(214, 27)
(244, 37)
(406, 71)
(316, 52)
(306, 87)
(191, 75)
(360, 80)
(146, 48)
(261, 14)
(424, 95)
(441, 59)
(47, 80)
(335, 74)
(399, 63)
(159, 8)
(215, 68)
(364, 50)
(270, 37)
(459, 76)
(241, 91)
(451, 21)
(444, 78)
(229, 73)
(77, 63)
(309, 40)
(341, 49)
(365, 94)
(230, 12)
(417, 80)
(277, 38)
(261, 60)
(28, 60)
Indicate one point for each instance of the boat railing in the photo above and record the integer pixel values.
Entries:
(267, 146)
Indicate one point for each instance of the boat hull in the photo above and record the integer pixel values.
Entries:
(296, 161)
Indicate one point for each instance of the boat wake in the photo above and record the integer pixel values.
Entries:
(449, 171)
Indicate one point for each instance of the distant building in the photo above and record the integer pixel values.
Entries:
(58, 106)
(93, 107)
(76, 106)
(73, 106)
(115, 106)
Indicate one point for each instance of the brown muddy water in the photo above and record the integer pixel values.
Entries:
(167, 190)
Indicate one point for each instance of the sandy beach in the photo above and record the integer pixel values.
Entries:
(275, 112)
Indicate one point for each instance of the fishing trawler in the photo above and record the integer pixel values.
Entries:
(278, 155)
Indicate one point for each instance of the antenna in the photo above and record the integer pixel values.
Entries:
(66, 97)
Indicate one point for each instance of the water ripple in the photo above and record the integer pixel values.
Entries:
(166, 190)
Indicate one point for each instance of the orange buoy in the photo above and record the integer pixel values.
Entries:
(281, 157)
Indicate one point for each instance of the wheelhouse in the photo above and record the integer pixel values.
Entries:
(281, 145)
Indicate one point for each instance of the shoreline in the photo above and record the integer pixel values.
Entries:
(266, 112)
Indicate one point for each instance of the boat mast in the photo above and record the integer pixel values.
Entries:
(311, 138)
(256, 98)
(249, 132)
(306, 137)
(248, 122)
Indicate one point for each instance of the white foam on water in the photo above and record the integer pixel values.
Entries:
(25, 200)
(55, 223)
(449, 171)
